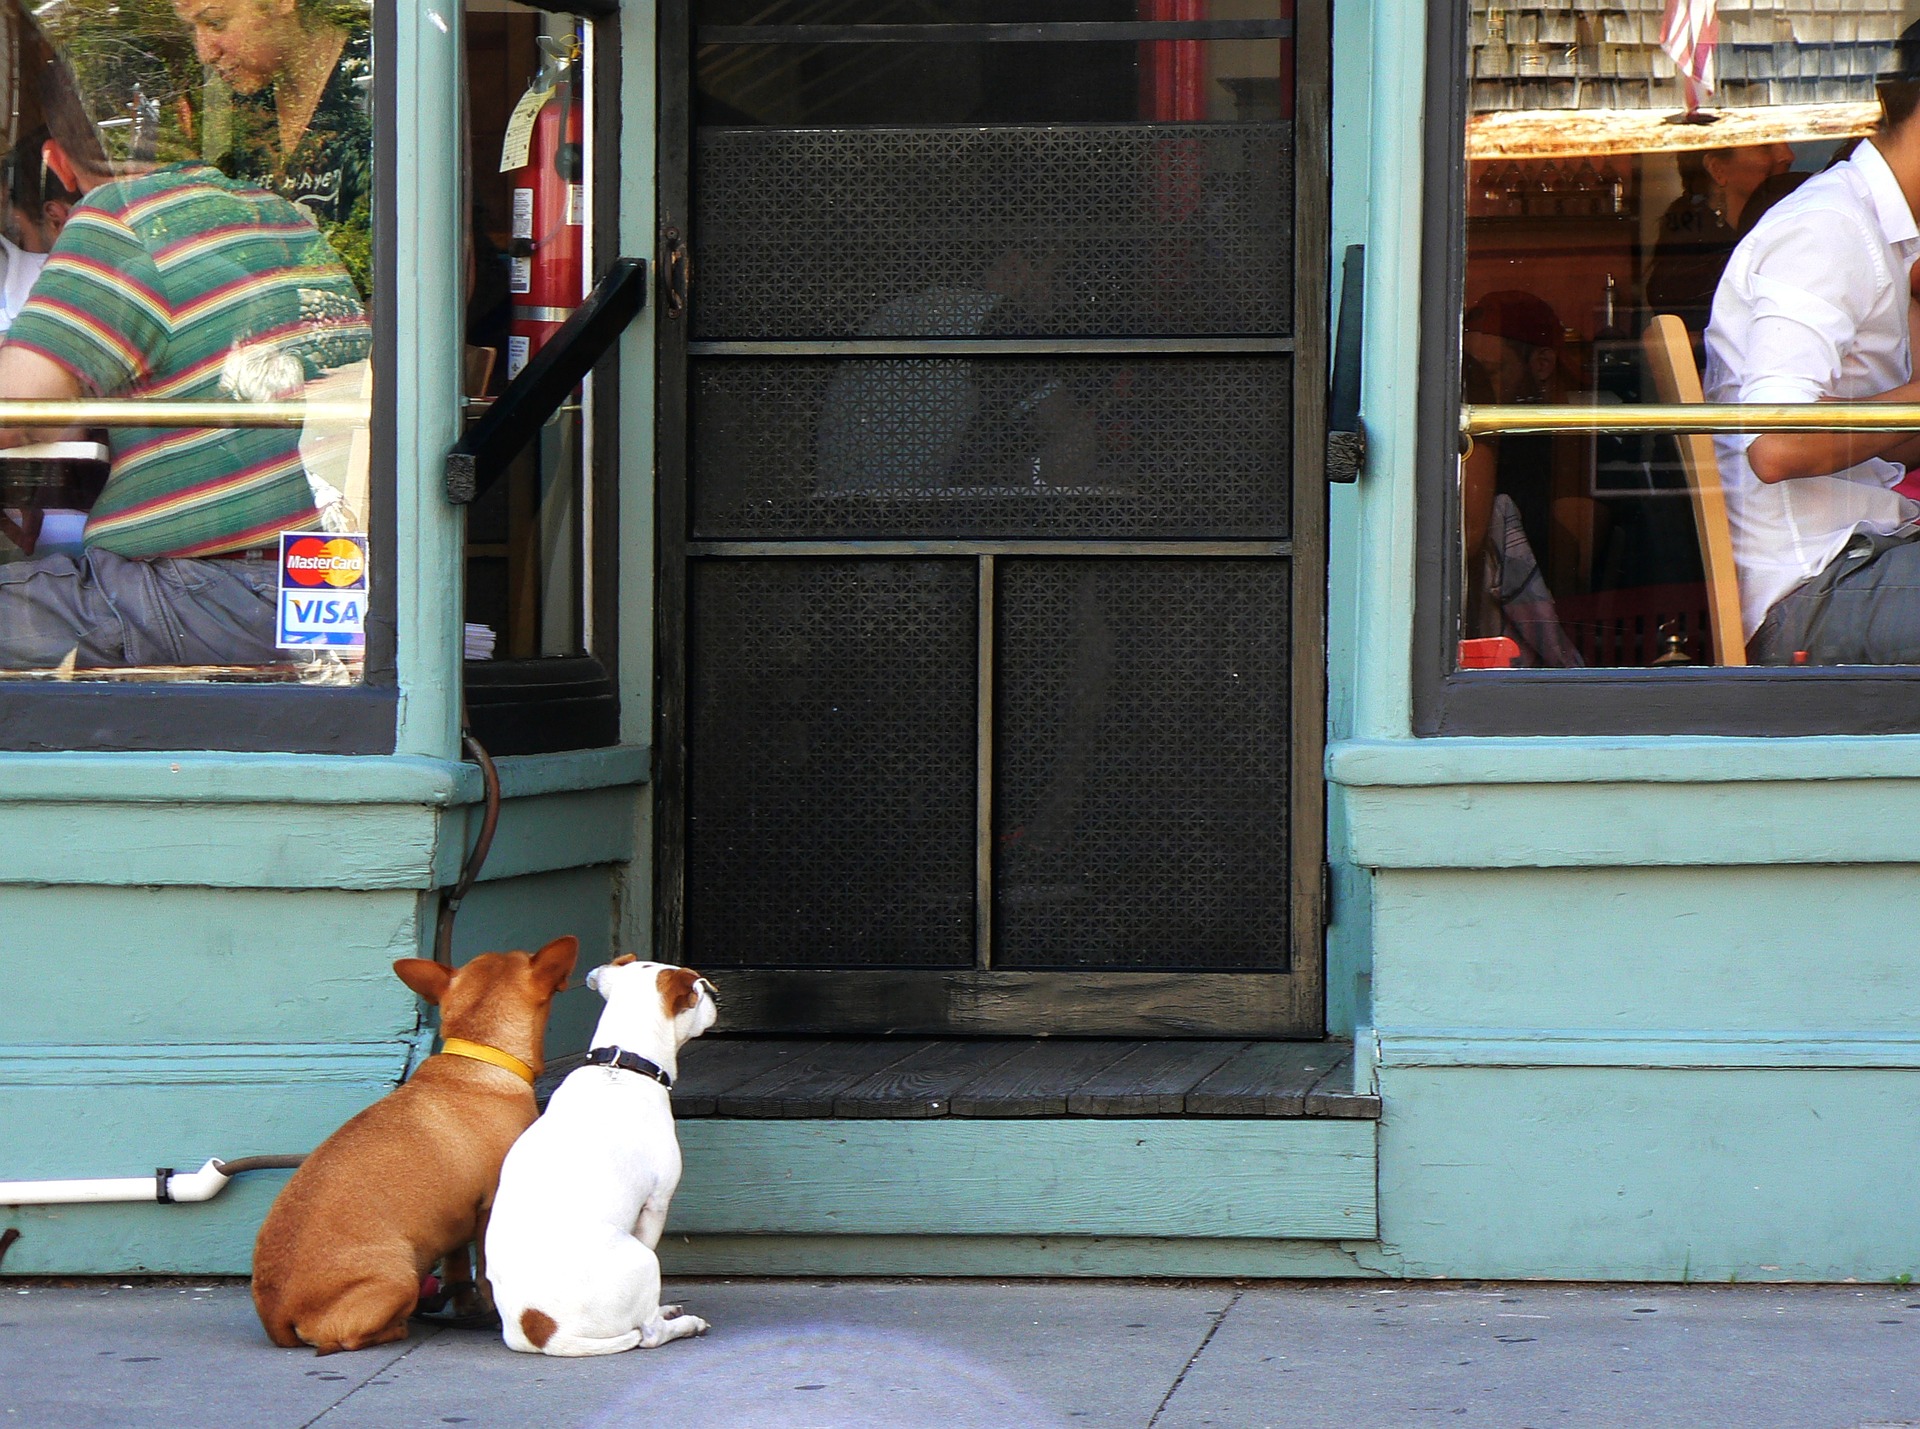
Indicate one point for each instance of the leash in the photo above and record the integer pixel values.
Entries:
(481, 1052)
(628, 1062)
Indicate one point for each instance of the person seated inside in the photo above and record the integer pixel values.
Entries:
(37, 208)
(1814, 306)
(1724, 194)
(37, 202)
(1511, 349)
(31, 223)
(1510, 352)
(178, 565)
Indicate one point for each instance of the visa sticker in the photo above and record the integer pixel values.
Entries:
(308, 618)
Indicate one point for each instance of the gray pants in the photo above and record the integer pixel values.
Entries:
(107, 610)
(1863, 609)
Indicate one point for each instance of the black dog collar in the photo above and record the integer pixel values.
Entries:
(628, 1062)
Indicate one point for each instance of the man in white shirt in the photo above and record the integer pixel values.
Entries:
(1814, 306)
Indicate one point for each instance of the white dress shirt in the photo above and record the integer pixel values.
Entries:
(1813, 304)
(18, 269)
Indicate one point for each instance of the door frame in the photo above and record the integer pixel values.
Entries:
(991, 1001)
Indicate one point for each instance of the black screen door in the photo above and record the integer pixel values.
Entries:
(992, 515)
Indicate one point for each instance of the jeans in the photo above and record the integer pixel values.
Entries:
(108, 610)
(1862, 609)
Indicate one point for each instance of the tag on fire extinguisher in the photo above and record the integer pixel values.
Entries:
(518, 145)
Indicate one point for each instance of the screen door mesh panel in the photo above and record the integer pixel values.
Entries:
(1109, 229)
(831, 763)
(992, 446)
(1140, 778)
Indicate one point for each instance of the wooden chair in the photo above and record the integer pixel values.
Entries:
(1677, 379)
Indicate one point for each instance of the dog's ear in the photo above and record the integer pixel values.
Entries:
(679, 990)
(429, 979)
(553, 964)
(623, 960)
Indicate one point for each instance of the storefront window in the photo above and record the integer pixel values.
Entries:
(1667, 204)
(187, 272)
(530, 101)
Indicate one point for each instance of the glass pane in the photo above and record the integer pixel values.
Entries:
(1099, 447)
(830, 812)
(992, 62)
(1725, 179)
(530, 104)
(1066, 230)
(188, 219)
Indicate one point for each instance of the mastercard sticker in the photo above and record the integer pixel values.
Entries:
(323, 589)
(321, 560)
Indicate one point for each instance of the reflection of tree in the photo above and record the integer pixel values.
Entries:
(138, 74)
(328, 175)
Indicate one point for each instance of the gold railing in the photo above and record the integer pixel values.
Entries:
(137, 412)
(1688, 417)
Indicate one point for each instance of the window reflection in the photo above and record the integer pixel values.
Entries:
(188, 195)
(1621, 169)
(530, 107)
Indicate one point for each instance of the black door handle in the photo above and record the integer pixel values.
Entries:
(674, 272)
(1346, 433)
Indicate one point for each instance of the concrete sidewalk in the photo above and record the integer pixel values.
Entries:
(1010, 1355)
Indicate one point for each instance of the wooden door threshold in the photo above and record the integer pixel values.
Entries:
(918, 1078)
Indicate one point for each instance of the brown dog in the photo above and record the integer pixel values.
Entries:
(339, 1258)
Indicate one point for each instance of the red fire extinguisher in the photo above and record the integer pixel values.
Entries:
(544, 156)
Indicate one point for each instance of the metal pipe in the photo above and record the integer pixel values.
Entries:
(1478, 421)
(164, 1185)
(136, 412)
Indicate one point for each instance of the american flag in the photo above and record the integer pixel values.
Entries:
(1691, 31)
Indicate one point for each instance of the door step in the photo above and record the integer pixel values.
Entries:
(921, 1078)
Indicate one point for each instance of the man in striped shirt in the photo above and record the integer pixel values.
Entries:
(173, 283)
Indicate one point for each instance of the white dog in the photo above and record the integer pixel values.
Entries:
(584, 1191)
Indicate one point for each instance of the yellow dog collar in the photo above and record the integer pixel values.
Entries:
(481, 1052)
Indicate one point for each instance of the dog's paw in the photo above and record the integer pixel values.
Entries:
(700, 1326)
(670, 1312)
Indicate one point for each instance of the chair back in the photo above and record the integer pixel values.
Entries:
(1677, 379)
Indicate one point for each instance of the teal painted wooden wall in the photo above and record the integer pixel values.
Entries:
(212, 975)
(1659, 1073)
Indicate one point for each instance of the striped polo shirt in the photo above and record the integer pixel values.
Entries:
(185, 284)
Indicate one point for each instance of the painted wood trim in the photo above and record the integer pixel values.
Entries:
(1623, 824)
(218, 846)
(545, 833)
(1759, 1051)
(957, 1255)
(1278, 1179)
(199, 1064)
(209, 778)
(1651, 759)
(246, 843)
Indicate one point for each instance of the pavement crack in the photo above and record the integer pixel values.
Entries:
(414, 1342)
(1194, 1358)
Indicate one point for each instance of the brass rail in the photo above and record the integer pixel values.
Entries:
(1689, 417)
(136, 412)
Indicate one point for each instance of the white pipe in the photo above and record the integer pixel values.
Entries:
(165, 1184)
